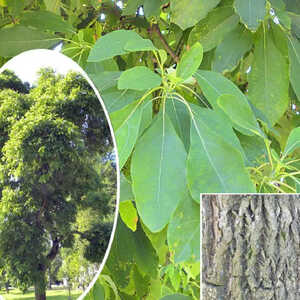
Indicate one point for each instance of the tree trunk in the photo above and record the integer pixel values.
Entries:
(69, 288)
(39, 294)
(40, 286)
(50, 280)
(251, 247)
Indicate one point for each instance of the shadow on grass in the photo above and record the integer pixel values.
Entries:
(54, 294)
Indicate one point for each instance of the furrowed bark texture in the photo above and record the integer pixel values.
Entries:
(250, 247)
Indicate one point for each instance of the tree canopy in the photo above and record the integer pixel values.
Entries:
(55, 147)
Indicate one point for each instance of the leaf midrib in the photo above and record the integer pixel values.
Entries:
(206, 151)
(160, 163)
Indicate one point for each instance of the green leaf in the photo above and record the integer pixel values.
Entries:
(221, 125)
(163, 56)
(174, 277)
(158, 153)
(97, 292)
(46, 20)
(260, 116)
(186, 13)
(128, 214)
(125, 189)
(120, 42)
(115, 99)
(295, 19)
(297, 187)
(279, 37)
(126, 123)
(252, 12)
(131, 248)
(138, 78)
(180, 118)
(176, 297)
(105, 80)
(139, 45)
(293, 141)
(141, 283)
(53, 6)
(279, 4)
(269, 78)
(212, 30)
(190, 62)
(293, 6)
(294, 55)
(116, 41)
(155, 288)
(151, 8)
(15, 6)
(108, 65)
(254, 148)
(158, 241)
(127, 210)
(214, 85)
(280, 12)
(184, 232)
(16, 39)
(213, 162)
(109, 285)
(146, 117)
(240, 113)
(131, 7)
(232, 49)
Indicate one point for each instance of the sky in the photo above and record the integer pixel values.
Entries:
(26, 64)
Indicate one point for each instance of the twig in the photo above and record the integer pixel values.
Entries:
(156, 28)
(166, 5)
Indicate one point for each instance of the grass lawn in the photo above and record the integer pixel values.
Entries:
(54, 294)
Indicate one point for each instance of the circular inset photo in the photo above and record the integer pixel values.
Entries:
(58, 178)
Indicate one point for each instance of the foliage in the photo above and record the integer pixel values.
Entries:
(203, 97)
(53, 147)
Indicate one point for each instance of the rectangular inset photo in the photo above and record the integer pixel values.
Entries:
(250, 246)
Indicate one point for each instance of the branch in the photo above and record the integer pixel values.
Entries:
(166, 5)
(40, 212)
(156, 28)
(54, 250)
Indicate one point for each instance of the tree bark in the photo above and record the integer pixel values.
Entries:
(251, 247)
(41, 282)
(39, 294)
(40, 285)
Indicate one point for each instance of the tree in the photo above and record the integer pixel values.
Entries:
(51, 141)
(250, 246)
(196, 91)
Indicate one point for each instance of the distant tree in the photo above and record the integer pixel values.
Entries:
(88, 247)
(52, 139)
(8, 80)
